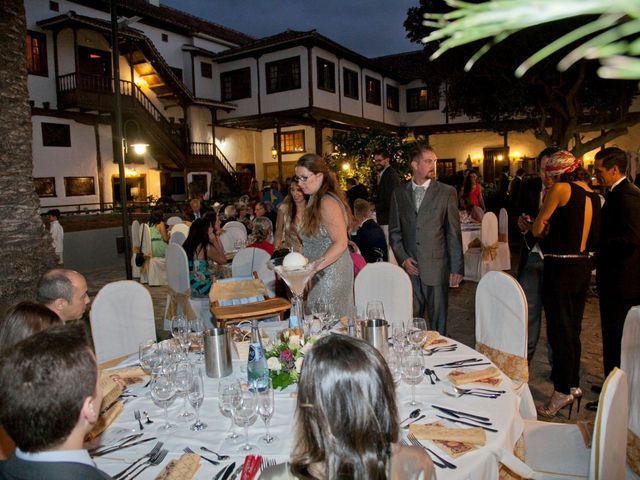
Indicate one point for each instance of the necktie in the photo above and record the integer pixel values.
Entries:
(418, 193)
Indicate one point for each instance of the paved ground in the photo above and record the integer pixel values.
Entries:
(461, 328)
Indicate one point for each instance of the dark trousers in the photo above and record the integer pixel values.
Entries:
(434, 299)
(613, 312)
(563, 311)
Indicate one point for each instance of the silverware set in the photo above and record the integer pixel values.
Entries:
(467, 362)
(440, 349)
(152, 453)
(267, 462)
(433, 376)
(474, 392)
(136, 415)
(125, 443)
(438, 461)
(465, 418)
(156, 460)
(414, 421)
(220, 457)
(211, 461)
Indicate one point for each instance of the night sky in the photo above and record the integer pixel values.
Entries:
(369, 27)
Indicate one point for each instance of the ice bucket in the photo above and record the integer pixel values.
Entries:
(217, 355)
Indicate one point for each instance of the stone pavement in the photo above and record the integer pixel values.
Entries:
(461, 327)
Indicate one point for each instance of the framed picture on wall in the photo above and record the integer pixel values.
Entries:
(45, 186)
(78, 186)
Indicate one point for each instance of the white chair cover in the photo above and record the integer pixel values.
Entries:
(501, 324)
(630, 364)
(156, 273)
(480, 260)
(391, 285)
(182, 228)
(504, 254)
(173, 221)
(233, 232)
(177, 237)
(121, 318)
(178, 281)
(135, 244)
(249, 260)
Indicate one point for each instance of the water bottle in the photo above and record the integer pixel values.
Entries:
(257, 370)
(351, 329)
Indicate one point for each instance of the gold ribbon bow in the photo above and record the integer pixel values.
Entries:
(633, 452)
(489, 252)
(513, 366)
(180, 300)
(145, 266)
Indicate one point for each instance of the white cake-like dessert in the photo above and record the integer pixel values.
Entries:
(294, 260)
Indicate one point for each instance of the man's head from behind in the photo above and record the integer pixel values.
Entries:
(49, 389)
(362, 209)
(64, 292)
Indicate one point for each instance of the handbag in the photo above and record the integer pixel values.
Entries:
(139, 255)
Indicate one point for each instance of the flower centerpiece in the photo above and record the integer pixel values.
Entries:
(285, 358)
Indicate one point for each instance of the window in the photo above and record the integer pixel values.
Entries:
(283, 75)
(350, 83)
(445, 167)
(419, 99)
(236, 84)
(291, 142)
(205, 70)
(393, 98)
(326, 75)
(54, 6)
(37, 54)
(372, 86)
(56, 135)
(165, 37)
(177, 184)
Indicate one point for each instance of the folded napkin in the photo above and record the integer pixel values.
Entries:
(183, 468)
(111, 389)
(129, 375)
(105, 419)
(431, 337)
(460, 377)
(437, 431)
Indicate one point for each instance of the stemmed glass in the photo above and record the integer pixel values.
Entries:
(197, 329)
(181, 331)
(399, 335)
(417, 333)
(265, 409)
(393, 356)
(321, 310)
(375, 310)
(149, 355)
(183, 381)
(162, 392)
(245, 414)
(196, 397)
(229, 391)
(412, 367)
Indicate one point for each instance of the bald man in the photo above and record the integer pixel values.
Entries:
(64, 292)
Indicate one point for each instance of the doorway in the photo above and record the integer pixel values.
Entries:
(494, 159)
(94, 68)
(136, 188)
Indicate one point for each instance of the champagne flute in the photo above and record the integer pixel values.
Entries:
(265, 409)
(229, 390)
(245, 414)
(183, 381)
(196, 397)
(162, 393)
(412, 367)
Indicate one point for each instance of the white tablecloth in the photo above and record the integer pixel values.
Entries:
(480, 464)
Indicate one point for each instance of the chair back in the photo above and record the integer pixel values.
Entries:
(235, 225)
(237, 291)
(146, 240)
(609, 445)
(177, 268)
(233, 232)
(391, 285)
(135, 233)
(177, 238)
(630, 365)
(121, 318)
(503, 225)
(171, 221)
(182, 228)
(489, 229)
(249, 260)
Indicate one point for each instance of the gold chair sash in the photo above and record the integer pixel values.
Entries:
(489, 252)
(633, 452)
(513, 366)
(145, 266)
(180, 300)
(135, 249)
(504, 473)
(503, 237)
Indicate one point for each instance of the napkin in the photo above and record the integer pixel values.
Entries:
(437, 431)
(183, 468)
(105, 419)
(129, 375)
(111, 389)
(460, 377)
(431, 337)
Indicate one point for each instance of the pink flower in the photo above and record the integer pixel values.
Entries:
(286, 356)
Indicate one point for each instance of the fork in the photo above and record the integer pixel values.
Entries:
(447, 348)
(213, 462)
(435, 462)
(457, 394)
(137, 416)
(267, 462)
(220, 457)
(478, 389)
(417, 443)
(152, 462)
(156, 448)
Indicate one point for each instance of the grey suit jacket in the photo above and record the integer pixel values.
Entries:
(430, 236)
(18, 469)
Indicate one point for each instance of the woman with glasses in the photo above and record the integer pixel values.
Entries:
(323, 231)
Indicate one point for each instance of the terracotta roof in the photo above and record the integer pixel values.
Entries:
(408, 65)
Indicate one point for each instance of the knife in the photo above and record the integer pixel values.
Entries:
(121, 447)
(122, 441)
(468, 423)
(225, 472)
(448, 411)
(235, 474)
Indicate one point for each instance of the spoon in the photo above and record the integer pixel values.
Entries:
(148, 419)
(413, 414)
(414, 421)
(220, 457)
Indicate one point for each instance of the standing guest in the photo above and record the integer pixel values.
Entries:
(617, 253)
(388, 181)
(261, 235)
(196, 208)
(272, 195)
(514, 193)
(159, 234)
(289, 218)
(472, 189)
(355, 190)
(424, 230)
(50, 399)
(202, 244)
(324, 234)
(64, 292)
(368, 235)
(569, 221)
(347, 419)
(503, 187)
(57, 232)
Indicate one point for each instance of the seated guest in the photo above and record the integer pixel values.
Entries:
(263, 209)
(368, 236)
(64, 292)
(202, 244)
(244, 216)
(230, 213)
(49, 400)
(261, 236)
(347, 419)
(159, 234)
(468, 212)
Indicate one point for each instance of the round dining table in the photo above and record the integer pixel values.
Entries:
(481, 463)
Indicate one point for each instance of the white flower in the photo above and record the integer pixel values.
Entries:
(294, 341)
(274, 364)
(299, 364)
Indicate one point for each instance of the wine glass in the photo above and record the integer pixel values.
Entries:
(417, 334)
(393, 356)
(412, 367)
(181, 331)
(265, 409)
(148, 355)
(375, 310)
(197, 331)
(229, 390)
(196, 397)
(183, 381)
(245, 414)
(321, 311)
(162, 393)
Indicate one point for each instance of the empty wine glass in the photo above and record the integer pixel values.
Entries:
(148, 355)
(196, 397)
(321, 311)
(412, 367)
(197, 330)
(181, 331)
(245, 414)
(183, 381)
(162, 392)
(417, 332)
(375, 310)
(229, 390)
(393, 356)
(265, 409)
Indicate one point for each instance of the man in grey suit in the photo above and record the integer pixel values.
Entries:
(50, 399)
(424, 232)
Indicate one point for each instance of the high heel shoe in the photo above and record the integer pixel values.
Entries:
(557, 402)
(577, 394)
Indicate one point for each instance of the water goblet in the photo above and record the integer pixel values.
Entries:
(148, 355)
(245, 414)
(162, 393)
(375, 310)
(196, 397)
(417, 332)
(181, 331)
(412, 368)
(265, 409)
(229, 390)
(183, 380)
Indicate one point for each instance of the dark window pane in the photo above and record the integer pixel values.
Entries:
(37, 53)
(350, 81)
(373, 90)
(56, 135)
(236, 84)
(205, 70)
(165, 37)
(283, 75)
(326, 75)
(393, 98)
(54, 6)
(419, 99)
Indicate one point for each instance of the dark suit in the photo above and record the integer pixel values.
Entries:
(371, 241)
(618, 266)
(17, 469)
(389, 181)
(431, 236)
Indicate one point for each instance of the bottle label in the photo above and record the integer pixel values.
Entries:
(255, 353)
